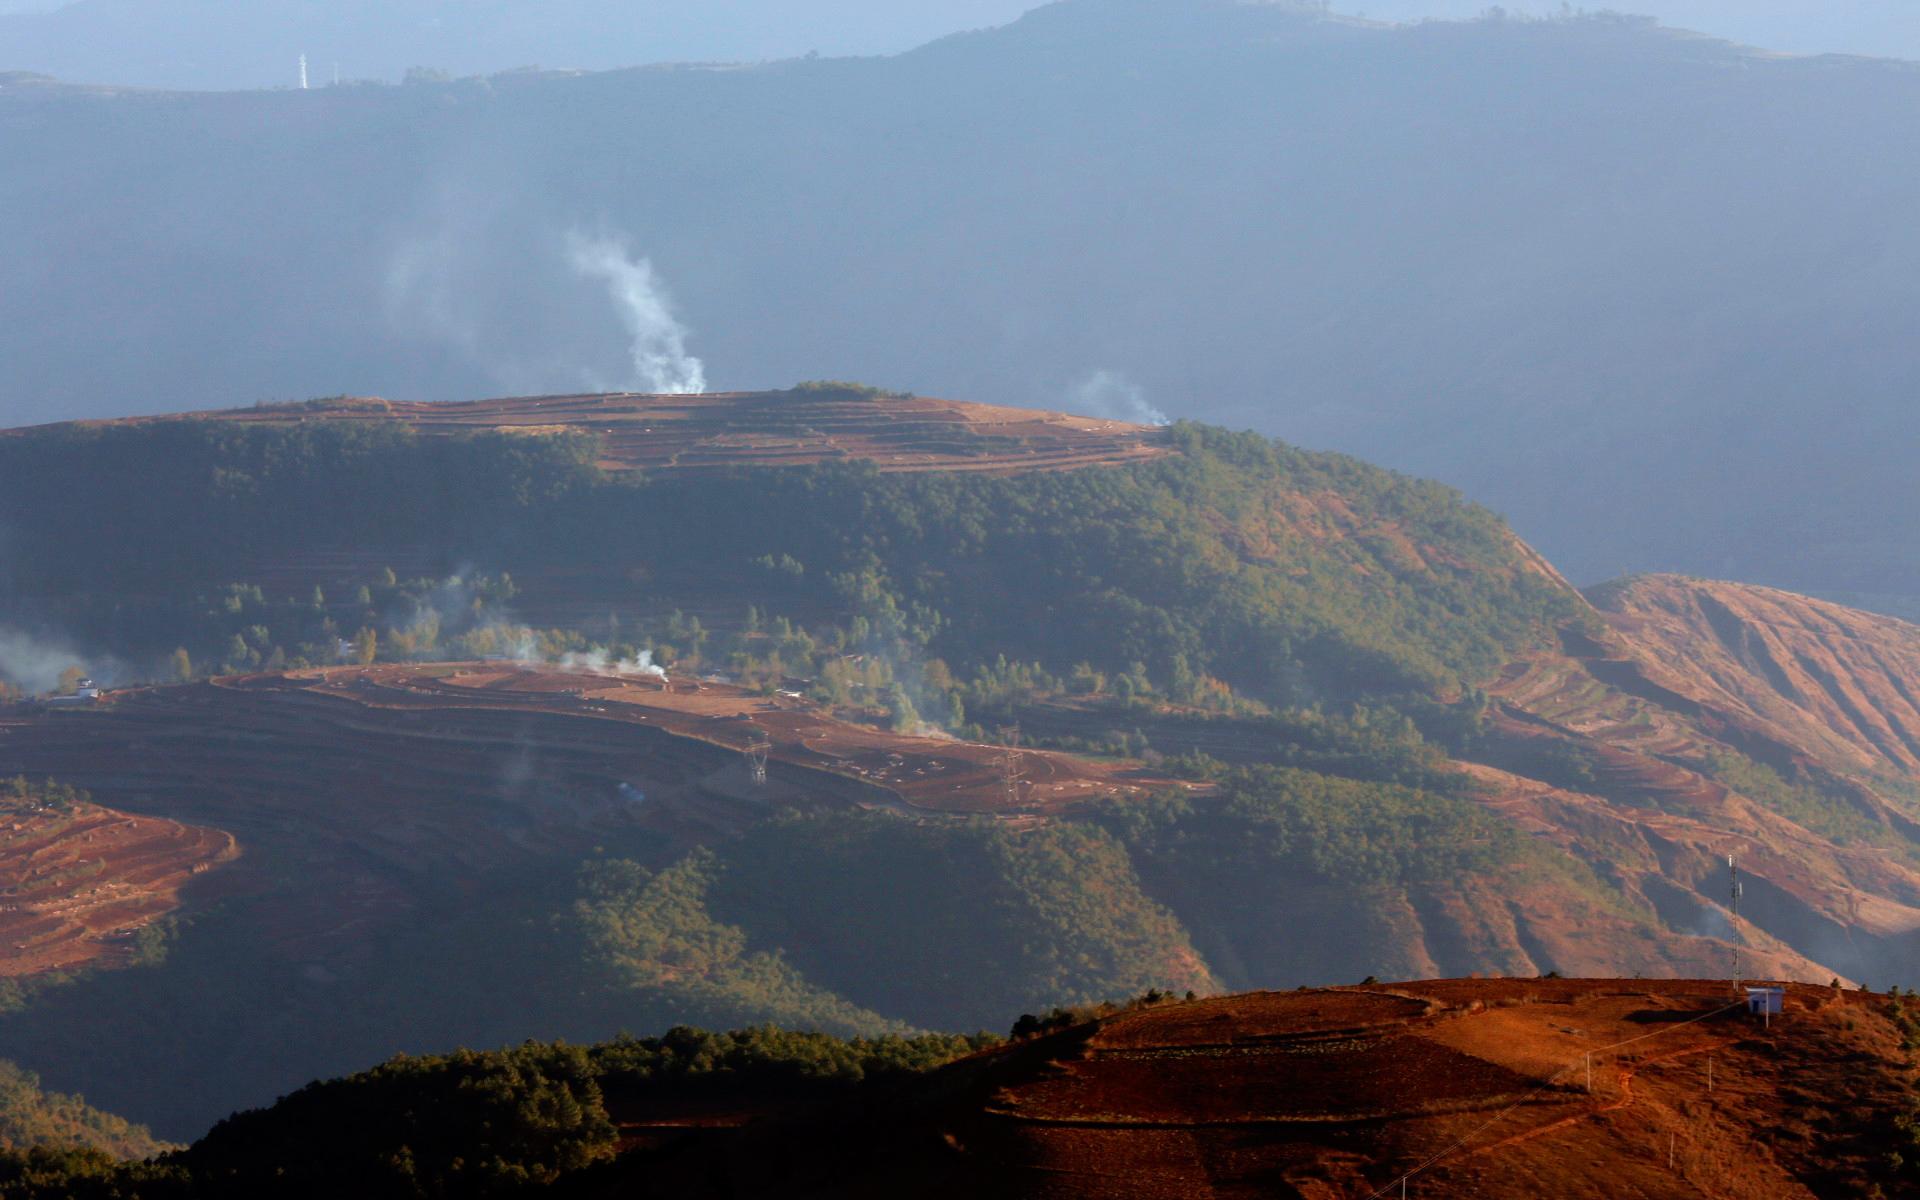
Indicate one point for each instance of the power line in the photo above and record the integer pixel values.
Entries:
(1586, 1057)
(756, 750)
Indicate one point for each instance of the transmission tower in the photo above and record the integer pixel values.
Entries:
(756, 752)
(1010, 769)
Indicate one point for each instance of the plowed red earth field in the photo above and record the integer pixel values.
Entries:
(75, 885)
(1458, 1088)
(360, 792)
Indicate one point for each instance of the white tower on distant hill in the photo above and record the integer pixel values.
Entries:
(303, 72)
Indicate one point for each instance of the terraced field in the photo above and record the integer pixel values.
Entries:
(761, 429)
(76, 885)
(361, 794)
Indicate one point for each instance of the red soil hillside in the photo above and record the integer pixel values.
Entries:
(1463, 1088)
(1617, 749)
(1709, 719)
(759, 429)
(1840, 684)
(75, 885)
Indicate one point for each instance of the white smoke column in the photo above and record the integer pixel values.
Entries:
(643, 665)
(660, 360)
(598, 661)
(1112, 395)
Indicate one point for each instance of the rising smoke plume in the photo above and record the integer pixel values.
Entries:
(659, 342)
(600, 662)
(35, 663)
(1112, 395)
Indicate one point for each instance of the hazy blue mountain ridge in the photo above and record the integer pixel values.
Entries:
(1648, 293)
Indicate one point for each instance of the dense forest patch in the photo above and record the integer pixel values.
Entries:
(1287, 575)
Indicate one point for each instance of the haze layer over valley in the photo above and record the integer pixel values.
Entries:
(1649, 293)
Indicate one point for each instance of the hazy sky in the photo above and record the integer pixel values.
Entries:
(792, 27)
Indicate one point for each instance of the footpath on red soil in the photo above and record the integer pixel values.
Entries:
(758, 429)
(361, 793)
(1488, 1088)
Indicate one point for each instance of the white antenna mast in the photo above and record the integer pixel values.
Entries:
(1733, 898)
(303, 72)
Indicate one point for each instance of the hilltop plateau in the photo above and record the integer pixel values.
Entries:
(812, 423)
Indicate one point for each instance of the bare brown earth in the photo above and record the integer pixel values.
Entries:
(756, 429)
(361, 792)
(1684, 669)
(75, 885)
(1836, 683)
(1460, 1088)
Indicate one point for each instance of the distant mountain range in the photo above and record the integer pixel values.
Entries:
(1650, 294)
(257, 43)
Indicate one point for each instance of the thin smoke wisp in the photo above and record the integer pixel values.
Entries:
(598, 662)
(1112, 395)
(661, 363)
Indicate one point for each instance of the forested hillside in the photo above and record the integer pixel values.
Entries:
(1287, 574)
(32, 1117)
(1226, 576)
(556, 717)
